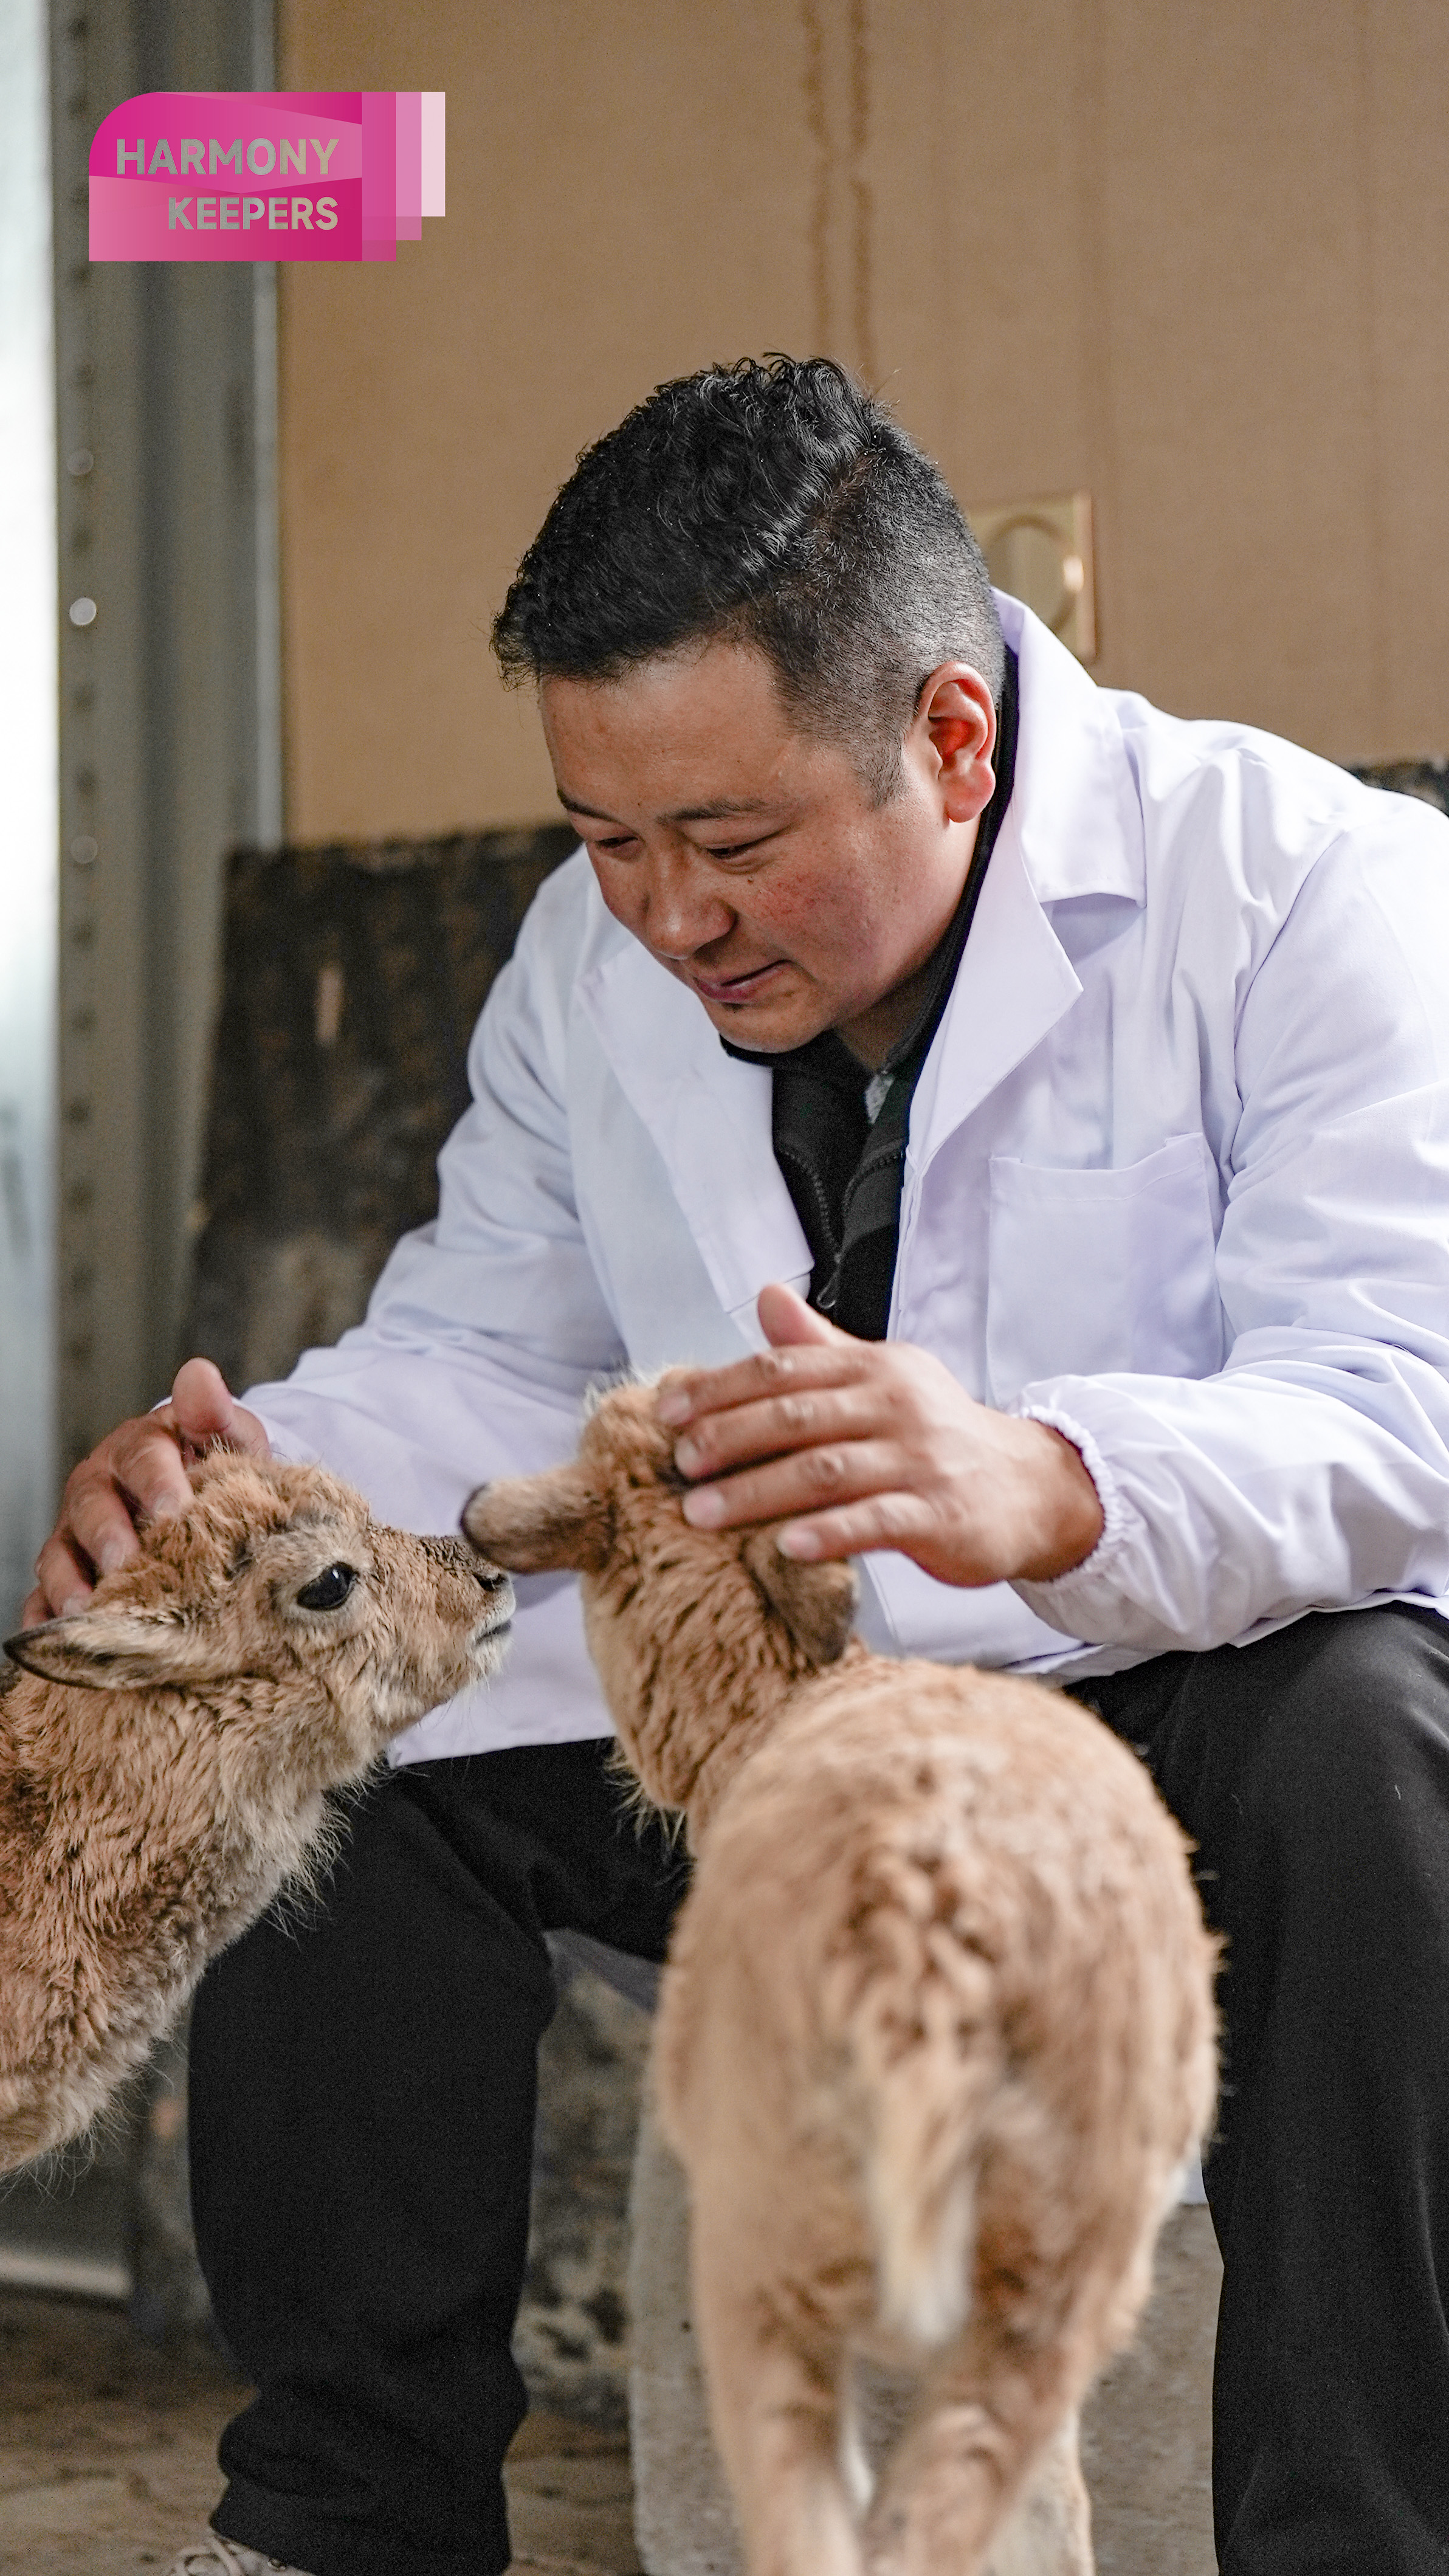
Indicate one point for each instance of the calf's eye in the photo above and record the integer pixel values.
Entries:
(328, 1591)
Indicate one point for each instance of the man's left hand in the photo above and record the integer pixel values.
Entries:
(860, 1445)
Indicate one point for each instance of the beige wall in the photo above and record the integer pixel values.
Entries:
(1190, 254)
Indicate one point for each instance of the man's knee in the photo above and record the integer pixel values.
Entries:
(1337, 1727)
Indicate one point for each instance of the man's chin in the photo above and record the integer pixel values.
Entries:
(764, 1027)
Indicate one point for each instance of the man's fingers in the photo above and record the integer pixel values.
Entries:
(807, 1418)
(61, 1586)
(146, 1460)
(881, 1520)
(785, 1318)
(812, 1480)
(141, 1464)
(204, 1409)
(688, 1393)
(806, 1351)
(98, 1522)
(137, 1474)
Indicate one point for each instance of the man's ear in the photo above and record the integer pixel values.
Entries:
(541, 1524)
(817, 1602)
(110, 1646)
(956, 717)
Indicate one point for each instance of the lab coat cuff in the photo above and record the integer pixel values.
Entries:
(1062, 1601)
(285, 1446)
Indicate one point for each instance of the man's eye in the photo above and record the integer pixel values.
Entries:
(741, 849)
(328, 1591)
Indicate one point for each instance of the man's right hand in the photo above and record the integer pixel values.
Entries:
(137, 1474)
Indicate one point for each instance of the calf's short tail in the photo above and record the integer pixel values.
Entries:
(919, 2038)
(920, 2193)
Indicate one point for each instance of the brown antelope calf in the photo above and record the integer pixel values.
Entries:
(166, 1754)
(936, 2033)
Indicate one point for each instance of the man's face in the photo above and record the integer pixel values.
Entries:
(747, 856)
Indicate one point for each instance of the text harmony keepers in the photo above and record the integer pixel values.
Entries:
(232, 214)
(205, 159)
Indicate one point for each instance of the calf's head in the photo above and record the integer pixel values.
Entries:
(698, 1635)
(308, 1627)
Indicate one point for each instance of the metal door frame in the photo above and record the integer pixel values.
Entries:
(170, 716)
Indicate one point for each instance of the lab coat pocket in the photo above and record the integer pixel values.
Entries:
(1097, 1270)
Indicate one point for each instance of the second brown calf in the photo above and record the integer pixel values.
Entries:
(937, 2030)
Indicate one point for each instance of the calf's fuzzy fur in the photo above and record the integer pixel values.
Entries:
(166, 1756)
(936, 2033)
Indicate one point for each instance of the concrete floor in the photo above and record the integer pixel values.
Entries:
(108, 2448)
(108, 2456)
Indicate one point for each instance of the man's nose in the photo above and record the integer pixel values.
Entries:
(685, 911)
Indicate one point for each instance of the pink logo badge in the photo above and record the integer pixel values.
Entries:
(266, 174)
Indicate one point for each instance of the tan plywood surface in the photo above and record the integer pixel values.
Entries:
(1192, 260)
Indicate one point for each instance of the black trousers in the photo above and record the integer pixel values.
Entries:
(363, 2079)
(363, 2090)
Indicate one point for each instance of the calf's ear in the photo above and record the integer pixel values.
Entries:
(817, 1602)
(541, 1524)
(110, 1646)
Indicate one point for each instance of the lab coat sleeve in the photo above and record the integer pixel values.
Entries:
(1313, 1470)
(485, 1328)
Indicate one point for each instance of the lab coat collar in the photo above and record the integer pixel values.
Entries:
(709, 1116)
(1073, 828)
(1074, 800)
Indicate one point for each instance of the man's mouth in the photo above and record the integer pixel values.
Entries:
(734, 988)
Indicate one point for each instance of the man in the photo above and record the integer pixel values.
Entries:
(1057, 1090)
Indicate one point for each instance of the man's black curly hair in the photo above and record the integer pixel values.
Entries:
(775, 505)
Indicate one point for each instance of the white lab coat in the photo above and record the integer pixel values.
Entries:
(1177, 1181)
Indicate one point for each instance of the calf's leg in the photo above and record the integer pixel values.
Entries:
(1050, 2531)
(972, 2451)
(774, 2388)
